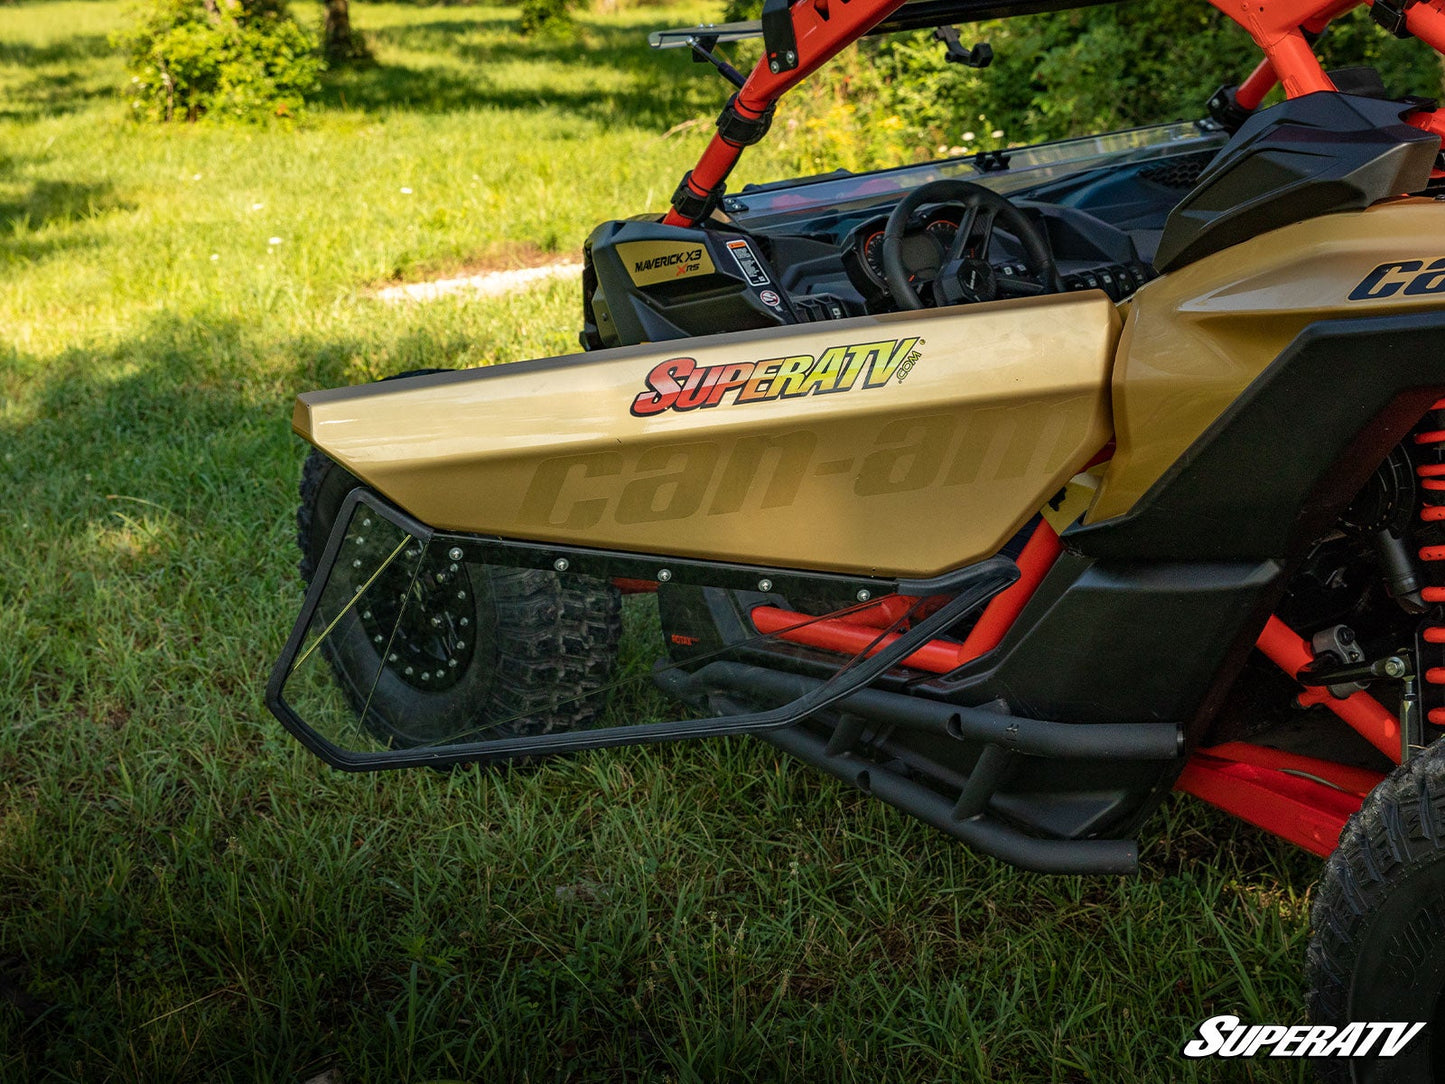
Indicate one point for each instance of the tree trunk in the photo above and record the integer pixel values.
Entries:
(337, 38)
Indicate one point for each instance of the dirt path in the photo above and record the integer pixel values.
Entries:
(488, 284)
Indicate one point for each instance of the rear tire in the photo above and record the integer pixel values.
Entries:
(1377, 951)
(524, 653)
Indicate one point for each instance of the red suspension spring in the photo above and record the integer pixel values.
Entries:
(1430, 469)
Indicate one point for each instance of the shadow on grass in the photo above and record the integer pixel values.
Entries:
(50, 203)
(81, 47)
(662, 87)
(138, 770)
(52, 96)
(61, 76)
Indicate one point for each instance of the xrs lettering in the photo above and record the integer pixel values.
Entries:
(1410, 276)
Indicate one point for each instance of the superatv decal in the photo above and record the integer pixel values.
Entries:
(681, 384)
(651, 262)
(1414, 277)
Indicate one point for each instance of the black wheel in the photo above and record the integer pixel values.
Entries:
(481, 651)
(1377, 951)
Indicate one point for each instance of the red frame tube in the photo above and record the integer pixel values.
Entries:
(823, 29)
(1344, 777)
(857, 631)
(1038, 556)
(1256, 784)
(838, 634)
(1252, 91)
(1366, 715)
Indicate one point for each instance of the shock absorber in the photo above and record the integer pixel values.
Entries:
(1429, 457)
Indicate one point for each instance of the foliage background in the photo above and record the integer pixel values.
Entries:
(226, 59)
(1055, 75)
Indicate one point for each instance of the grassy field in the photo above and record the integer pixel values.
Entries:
(186, 895)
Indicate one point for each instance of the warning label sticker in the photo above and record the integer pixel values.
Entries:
(752, 270)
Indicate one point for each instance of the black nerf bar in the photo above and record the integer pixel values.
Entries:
(1033, 737)
(1004, 737)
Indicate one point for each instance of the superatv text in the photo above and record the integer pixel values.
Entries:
(1227, 1037)
(682, 384)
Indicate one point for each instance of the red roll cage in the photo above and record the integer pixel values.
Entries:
(823, 28)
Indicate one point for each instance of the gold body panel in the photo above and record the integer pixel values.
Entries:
(907, 444)
(1196, 338)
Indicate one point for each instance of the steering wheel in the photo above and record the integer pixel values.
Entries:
(966, 274)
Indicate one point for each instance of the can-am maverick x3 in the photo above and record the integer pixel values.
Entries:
(1016, 490)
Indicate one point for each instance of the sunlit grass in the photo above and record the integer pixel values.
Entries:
(198, 899)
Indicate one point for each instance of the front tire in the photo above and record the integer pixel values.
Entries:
(504, 652)
(1377, 951)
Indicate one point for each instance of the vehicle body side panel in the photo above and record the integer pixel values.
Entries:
(937, 436)
(1196, 338)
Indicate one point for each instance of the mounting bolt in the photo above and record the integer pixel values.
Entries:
(441, 577)
(461, 644)
(663, 575)
(765, 585)
(773, 66)
(864, 595)
(392, 657)
(409, 671)
(376, 639)
(366, 523)
(461, 594)
(455, 553)
(463, 622)
(1395, 667)
(791, 57)
(560, 564)
(452, 663)
(366, 615)
(436, 622)
(356, 563)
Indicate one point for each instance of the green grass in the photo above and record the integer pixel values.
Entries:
(196, 898)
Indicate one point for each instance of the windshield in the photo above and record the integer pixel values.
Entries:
(1015, 170)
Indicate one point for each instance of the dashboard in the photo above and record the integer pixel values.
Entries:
(1101, 204)
(1072, 215)
(839, 263)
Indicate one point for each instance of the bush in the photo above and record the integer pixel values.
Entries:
(548, 15)
(240, 59)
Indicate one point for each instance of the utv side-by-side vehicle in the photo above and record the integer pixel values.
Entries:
(1015, 489)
